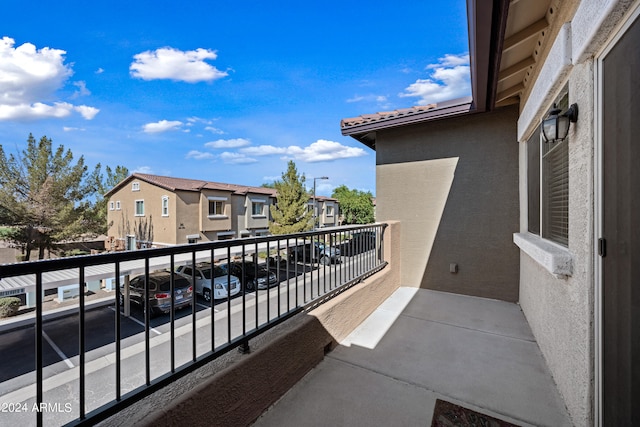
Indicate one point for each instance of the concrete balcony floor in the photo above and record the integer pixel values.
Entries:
(419, 346)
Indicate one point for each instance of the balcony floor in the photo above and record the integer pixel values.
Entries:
(423, 345)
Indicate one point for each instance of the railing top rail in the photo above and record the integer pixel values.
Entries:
(56, 264)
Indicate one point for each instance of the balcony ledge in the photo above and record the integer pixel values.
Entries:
(556, 259)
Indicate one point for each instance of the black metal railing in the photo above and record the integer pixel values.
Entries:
(96, 360)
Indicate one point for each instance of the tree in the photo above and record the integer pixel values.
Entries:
(103, 185)
(45, 197)
(291, 214)
(356, 206)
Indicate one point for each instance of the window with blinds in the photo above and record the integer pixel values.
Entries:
(548, 185)
(555, 172)
(555, 187)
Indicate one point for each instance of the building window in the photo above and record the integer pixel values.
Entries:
(112, 206)
(165, 205)
(216, 207)
(118, 207)
(135, 186)
(548, 185)
(329, 210)
(257, 208)
(139, 207)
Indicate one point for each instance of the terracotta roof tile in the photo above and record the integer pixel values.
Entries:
(385, 115)
(184, 184)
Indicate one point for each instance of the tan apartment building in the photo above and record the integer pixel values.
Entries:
(151, 210)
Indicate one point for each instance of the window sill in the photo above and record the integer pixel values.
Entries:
(555, 259)
(258, 216)
(217, 216)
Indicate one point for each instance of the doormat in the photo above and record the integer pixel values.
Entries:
(447, 414)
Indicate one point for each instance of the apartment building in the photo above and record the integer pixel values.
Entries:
(152, 211)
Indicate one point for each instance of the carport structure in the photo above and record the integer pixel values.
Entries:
(93, 274)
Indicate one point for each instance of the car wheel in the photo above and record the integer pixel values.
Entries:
(325, 260)
(250, 285)
(121, 298)
(206, 293)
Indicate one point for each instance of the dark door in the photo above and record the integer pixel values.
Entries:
(621, 231)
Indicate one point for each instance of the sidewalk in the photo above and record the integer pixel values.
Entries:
(423, 345)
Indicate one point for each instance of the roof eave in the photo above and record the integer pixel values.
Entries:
(365, 132)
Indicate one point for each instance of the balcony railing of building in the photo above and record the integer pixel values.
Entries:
(279, 276)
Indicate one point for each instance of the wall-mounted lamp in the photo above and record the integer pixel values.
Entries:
(555, 126)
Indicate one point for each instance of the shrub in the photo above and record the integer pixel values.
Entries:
(9, 306)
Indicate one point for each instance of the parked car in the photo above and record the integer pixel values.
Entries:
(222, 282)
(159, 291)
(255, 275)
(364, 240)
(320, 252)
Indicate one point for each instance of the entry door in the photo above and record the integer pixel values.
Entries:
(621, 230)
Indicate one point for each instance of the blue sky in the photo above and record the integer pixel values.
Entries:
(223, 91)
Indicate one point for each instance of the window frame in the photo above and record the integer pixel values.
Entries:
(254, 208)
(548, 184)
(135, 186)
(139, 202)
(165, 206)
(215, 212)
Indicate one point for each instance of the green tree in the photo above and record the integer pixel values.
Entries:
(98, 213)
(46, 197)
(356, 207)
(291, 214)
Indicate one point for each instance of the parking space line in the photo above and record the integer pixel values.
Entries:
(53, 345)
(208, 306)
(139, 322)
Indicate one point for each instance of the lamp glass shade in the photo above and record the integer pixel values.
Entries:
(562, 127)
(550, 128)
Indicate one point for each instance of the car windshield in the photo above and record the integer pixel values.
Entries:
(217, 271)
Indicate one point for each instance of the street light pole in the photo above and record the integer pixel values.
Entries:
(314, 199)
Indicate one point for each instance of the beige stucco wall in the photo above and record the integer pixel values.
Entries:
(215, 223)
(163, 226)
(561, 311)
(453, 184)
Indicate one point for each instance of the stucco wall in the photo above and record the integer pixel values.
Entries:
(453, 184)
(163, 226)
(560, 311)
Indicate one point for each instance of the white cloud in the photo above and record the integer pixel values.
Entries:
(368, 98)
(82, 89)
(236, 158)
(100, 71)
(86, 112)
(319, 151)
(264, 150)
(228, 143)
(144, 169)
(162, 126)
(449, 79)
(214, 130)
(174, 64)
(71, 129)
(199, 155)
(29, 76)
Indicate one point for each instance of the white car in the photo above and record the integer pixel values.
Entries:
(221, 281)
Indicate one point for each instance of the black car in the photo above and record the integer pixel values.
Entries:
(252, 275)
(160, 291)
(322, 253)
